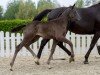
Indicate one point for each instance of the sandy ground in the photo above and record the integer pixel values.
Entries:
(26, 66)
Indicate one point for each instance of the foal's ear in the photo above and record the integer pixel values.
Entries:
(73, 6)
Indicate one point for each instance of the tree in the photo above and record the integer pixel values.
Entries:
(45, 4)
(12, 9)
(95, 1)
(87, 3)
(27, 10)
(90, 2)
(1, 11)
(79, 3)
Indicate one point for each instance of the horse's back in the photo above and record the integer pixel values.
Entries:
(55, 13)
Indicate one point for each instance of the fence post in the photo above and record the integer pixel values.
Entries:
(73, 41)
(78, 44)
(83, 47)
(24, 50)
(12, 44)
(2, 43)
(7, 41)
(18, 41)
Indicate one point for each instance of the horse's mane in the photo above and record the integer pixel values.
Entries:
(95, 5)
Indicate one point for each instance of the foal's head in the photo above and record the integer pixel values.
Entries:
(72, 13)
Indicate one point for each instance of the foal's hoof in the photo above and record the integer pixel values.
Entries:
(11, 64)
(48, 62)
(71, 59)
(86, 62)
(49, 67)
(37, 63)
(11, 69)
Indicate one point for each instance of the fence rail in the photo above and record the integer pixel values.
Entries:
(8, 42)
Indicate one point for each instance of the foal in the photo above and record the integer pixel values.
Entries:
(55, 29)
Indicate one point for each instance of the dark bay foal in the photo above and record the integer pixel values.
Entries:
(55, 29)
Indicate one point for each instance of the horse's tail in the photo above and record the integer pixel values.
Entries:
(17, 28)
(40, 16)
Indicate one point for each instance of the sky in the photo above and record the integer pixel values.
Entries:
(4, 3)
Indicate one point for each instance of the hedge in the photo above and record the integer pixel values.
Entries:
(7, 25)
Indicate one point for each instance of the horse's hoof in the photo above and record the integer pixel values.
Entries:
(50, 67)
(48, 62)
(11, 64)
(71, 59)
(86, 62)
(11, 69)
(99, 52)
(37, 63)
(98, 48)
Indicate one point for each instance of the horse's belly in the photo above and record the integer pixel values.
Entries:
(46, 35)
(81, 31)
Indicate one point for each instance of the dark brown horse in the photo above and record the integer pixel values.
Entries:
(49, 30)
(89, 24)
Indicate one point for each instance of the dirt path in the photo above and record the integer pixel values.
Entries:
(26, 66)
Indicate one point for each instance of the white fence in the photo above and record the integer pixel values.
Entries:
(8, 42)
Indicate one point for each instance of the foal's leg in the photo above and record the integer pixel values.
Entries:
(52, 50)
(94, 40)
(63, 39)
(31, 51)
(25, 41)
(33, 54)
(15, 54)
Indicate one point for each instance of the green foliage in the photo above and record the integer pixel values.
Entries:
(12, 9)
(7, 25)
(45, 4)
(1, 11)
(79, 3)
(27, 10)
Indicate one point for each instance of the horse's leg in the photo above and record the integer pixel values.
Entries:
(60, 44)
(33, 54)
(94, 40)
(15, 54)
(43, 43)
(52, 50)
(26, 40)
(63, 39)
(98, 49)
(30, 50)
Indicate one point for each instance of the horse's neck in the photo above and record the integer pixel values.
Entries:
(64, 16)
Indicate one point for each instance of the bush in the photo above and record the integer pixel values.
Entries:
(7, 25)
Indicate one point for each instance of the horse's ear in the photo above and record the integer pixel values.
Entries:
(73, 6)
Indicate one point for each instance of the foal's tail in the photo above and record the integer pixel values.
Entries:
(17, 28)
(39, 17)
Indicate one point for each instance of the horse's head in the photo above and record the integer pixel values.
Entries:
(73, 14)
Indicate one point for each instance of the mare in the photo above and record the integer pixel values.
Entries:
(88, 25)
